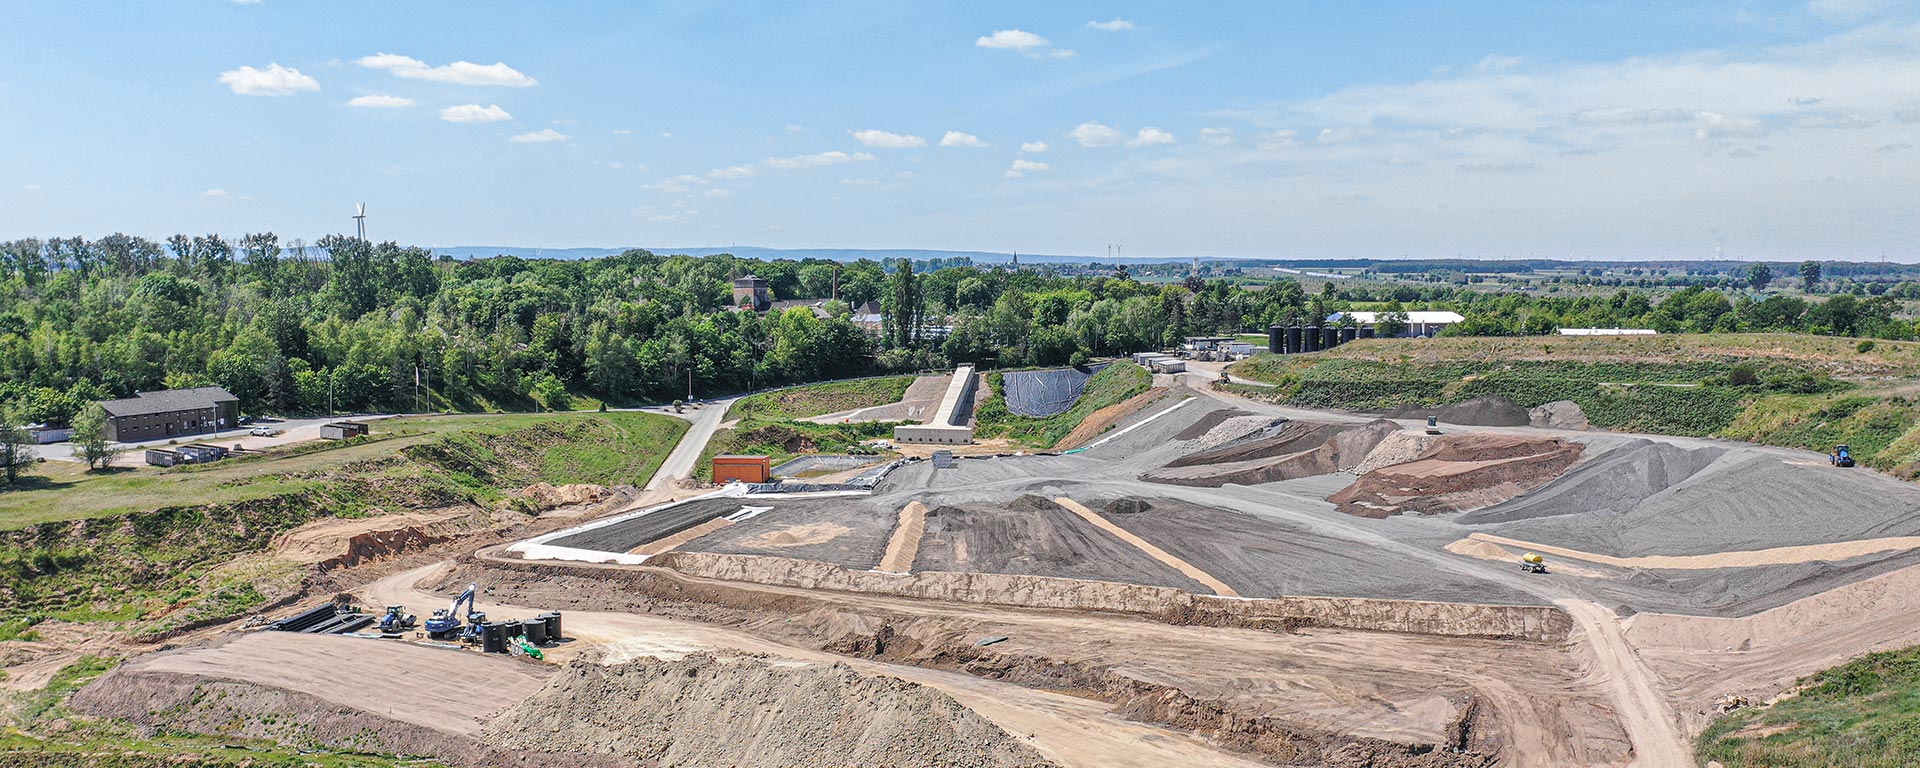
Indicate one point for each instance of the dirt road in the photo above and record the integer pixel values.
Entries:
(1639, 705)
(1069, 730)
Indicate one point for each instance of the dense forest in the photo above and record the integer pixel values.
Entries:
(348, 325)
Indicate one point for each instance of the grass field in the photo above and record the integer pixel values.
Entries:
(624, 447)
(1862, 714)
(1111, 385)
(821, 399)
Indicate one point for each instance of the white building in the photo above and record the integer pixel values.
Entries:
(1608, 332)
(1419, 323)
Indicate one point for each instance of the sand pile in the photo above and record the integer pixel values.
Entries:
(1614, 481)
(1559, 414)
(738, 710)
(1479, 412)
(1458, 473)
(1299, 449)
(1397, 448)
(1207, 422)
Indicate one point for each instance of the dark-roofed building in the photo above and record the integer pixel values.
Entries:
(171, 413)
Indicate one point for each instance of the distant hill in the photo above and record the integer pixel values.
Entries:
(757, 252)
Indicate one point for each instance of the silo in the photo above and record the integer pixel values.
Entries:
(1311, 335)
(1366, 331)
(1276, 336)
(1293, 340)
(1348, 333)
(1332, 337)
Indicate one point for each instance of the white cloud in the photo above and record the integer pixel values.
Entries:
(795, 128)
(214, 193)
(1094, 135)
(380, 101)
(1012, 39)
(666, 134)
(1846, 11)
(1278, 140)
(275, 80)
(1062, 53)
(859, 182)
(1216, 136)
(962, 139)
(731, 172)
(36, 187)
(1631, 116)
(678, 185)
(717, 193)
(459, 72)
(542, 136)
(622, 132)
(474, 113)
(246, 2)
(1712, 125)
(1023, 166)
(1115, 25)
(816, 160)
(1150, 136)
(1033, 147)
(884, 140)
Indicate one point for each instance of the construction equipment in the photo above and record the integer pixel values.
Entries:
(445, 624)
(1225, 379)
(1842, 455)
(397, 620)
(1533, 563)
(1433, 425)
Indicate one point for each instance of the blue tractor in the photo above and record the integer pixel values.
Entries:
(397, 621)
(445, 624)
(1842, 455)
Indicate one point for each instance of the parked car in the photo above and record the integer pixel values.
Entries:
(263, 432)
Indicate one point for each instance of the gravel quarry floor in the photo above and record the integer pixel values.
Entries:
(849, 531)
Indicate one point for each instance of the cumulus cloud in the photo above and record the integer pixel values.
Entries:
(1093, 134)
(214, 193)
(1062, 53)
(275, 80)
(1033, 147)
(1022, 167)
(815, 160)
(623, 132)
(962, 139)
(1012, 39)
(474, 113)
(884, 140)
(458, 73)
(380, 101)
(678, 185)
(1114, 25)
(1216, 136)
(542, 136)
(731, 172)
(1150, 136)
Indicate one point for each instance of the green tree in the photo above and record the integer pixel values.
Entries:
(1809, 275)
(16, 447)
(1392, 321)
(90, 435)
(903, 305)
(1759, 275)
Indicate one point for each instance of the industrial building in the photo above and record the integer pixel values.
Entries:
(171, 413)
(341, 430)
(952, 422)
(1420, 323)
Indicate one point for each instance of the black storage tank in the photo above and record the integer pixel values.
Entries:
(1366, 331)
(1332, 337)
(1293, 340)
(1348, 333)
(1275, 338)
(1310, 336)
(553, 626)
(493, 637)
(536, 631)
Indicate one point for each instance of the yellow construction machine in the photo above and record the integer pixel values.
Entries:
(1533, 563)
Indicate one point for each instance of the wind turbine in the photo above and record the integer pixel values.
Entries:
(360, 220)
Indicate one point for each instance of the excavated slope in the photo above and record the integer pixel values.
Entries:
(1298, 449)
(737, 710)
(1615, 481)
(1459, 473)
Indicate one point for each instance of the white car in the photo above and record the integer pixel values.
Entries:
(263, 432)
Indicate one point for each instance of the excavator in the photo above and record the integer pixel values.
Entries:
(444, 624)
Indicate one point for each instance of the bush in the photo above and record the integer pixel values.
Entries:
(1864, 346)
(1742, 375)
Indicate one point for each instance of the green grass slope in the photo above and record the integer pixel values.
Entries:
(1862, 714)
(1113, 384)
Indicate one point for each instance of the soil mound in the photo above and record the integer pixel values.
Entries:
(738, 710)
(1487, 411)
(1612, 482)
(1559, 414)
(1459, 473)
(1207, 422)
(1296, 450)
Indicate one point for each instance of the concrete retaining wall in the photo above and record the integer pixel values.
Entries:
(1537, 623)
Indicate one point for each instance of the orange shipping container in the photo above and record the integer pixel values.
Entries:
(746, 469)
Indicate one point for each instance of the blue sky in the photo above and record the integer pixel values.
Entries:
(1486, 129)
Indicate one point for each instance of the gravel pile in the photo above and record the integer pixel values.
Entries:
(1230, 430)
(1614, 481)
(1480, 411)
(737, 710)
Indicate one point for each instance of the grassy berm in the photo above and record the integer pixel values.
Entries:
(1112, 385)
(1799, 391)
(769, 422)
(1862, 714)
(149, 551)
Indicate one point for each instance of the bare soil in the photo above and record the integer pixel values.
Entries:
(1460, 472)
(1036, 537)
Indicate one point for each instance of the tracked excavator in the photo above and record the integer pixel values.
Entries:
(445, 624)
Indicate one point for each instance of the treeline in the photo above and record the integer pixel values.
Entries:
(347, 325)
(1689, 310)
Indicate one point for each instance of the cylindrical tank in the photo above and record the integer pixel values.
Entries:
(1366, 331)
(536, 631)
(1332, 337)
(1293, 340)
(1349, 333)
(493, 637)
(553, 626)
(1275, 336)
(1310, 338)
